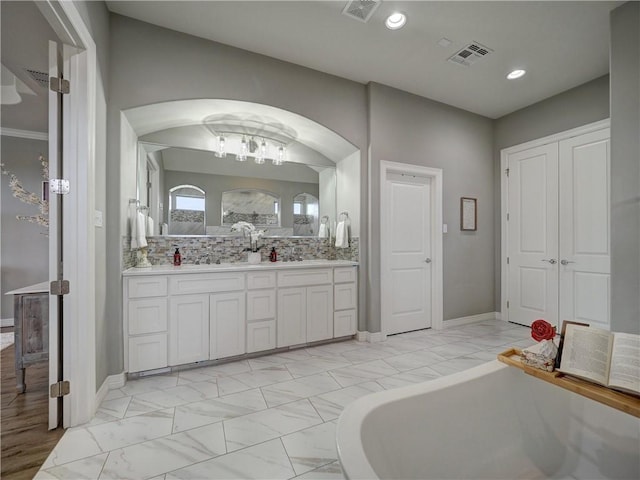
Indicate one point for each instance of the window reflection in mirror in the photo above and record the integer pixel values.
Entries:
(305, 215)
(253, 206)
(187, 210)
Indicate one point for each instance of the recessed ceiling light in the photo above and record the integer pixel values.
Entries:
(395, 21)
(516, 74)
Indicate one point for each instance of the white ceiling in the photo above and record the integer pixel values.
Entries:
(560, 44)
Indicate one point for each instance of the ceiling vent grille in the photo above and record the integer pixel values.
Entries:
(361, 10)
(470, 54)
(42, 78)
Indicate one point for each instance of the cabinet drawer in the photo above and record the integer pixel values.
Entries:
(155, 286)
(344, 323)
(261, 336)
(345, 296)
(261, 280)
(344, 275)
(148, 352)
(261, 304)
(303, 277)
(206, 283)
(147, 315)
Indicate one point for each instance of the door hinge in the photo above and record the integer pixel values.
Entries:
(507, 303)
(59, 186)
(506, 172)
(60, 389)
(507, 217)
(59, 287)
(59, 85)
(507, 260)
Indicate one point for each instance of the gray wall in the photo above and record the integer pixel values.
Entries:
(579, 106)
(25, 246)
(96, 17)
(410, 129)
(149, 64)
(625, 168)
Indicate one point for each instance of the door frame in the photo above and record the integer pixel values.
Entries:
(504, 197)
(437, 278)
(79, 151)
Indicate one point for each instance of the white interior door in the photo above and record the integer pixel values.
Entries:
(584, 263)
(406, 253)
(533, 235)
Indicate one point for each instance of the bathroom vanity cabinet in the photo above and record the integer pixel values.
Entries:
(182, 315)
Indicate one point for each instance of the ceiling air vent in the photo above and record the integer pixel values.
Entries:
(41, 77)
(470, 54)
(361, 10)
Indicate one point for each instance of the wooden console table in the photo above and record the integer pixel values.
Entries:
(31, 328)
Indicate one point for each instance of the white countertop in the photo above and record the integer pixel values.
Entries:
(42, 287)
(230, 267)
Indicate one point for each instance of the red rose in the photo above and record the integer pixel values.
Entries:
(542, 330)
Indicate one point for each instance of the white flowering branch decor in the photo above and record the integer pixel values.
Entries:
(249, 230)
(30, 198)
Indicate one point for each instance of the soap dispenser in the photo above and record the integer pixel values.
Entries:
(177, 258)
(273, 256)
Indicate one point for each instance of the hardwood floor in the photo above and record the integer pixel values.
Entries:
(25, 441)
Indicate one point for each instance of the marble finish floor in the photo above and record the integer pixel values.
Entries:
(268, 417)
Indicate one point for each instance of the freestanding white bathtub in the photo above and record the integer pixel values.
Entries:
(489, 422)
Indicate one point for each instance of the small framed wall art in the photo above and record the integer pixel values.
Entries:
(468, 214)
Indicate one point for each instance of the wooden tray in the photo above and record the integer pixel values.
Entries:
(620, 401)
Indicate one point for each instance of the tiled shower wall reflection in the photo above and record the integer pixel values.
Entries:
(230, 249)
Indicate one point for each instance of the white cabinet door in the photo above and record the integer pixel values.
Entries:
(261, 304)
(188, 329)
(584, 262)
(344, 323)
(147, 352)
(227, 325)
(147, 315)
(319, 313)
(261, 336)
(292, 316)
(346, 296)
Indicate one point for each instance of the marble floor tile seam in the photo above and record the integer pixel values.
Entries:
(238, 451)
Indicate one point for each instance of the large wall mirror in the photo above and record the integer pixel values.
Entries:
(190, 191)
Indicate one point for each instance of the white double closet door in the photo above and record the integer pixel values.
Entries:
(558, 233)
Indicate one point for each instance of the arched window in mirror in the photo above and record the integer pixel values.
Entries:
(254, 206)
(186, 210)
(305, 215)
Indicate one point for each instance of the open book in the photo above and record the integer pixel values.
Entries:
(610, 359)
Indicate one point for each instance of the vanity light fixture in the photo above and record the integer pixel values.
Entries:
(395, 21)
(280, 155)
(244, 149)
(516, 74)
(222, 152)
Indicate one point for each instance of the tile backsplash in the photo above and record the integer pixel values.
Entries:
(231, 249)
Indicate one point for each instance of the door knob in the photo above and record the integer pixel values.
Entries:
(566, 262)
(428, 260)
(552, 261)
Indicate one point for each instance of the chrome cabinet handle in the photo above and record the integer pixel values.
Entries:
(552, 261)
(428, 260)
(566, 262)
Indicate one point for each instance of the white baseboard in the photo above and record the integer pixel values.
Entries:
(370, 337)
(481, 317)
(6, 322)
(110, 383)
